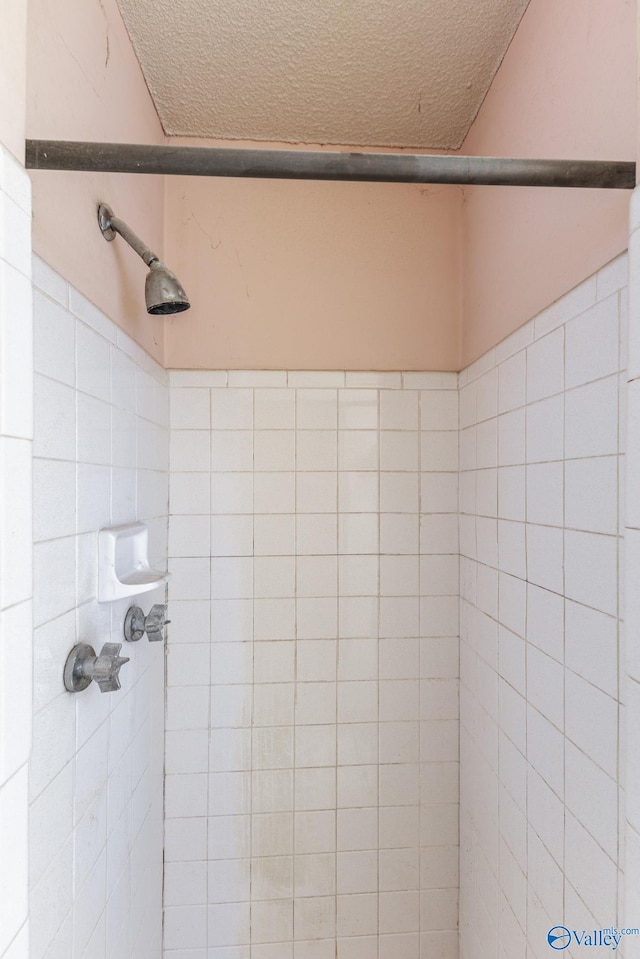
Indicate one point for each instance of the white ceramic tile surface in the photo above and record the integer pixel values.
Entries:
(539, 697)
(314, 709)
(631, 561)
(311, 793)
(16, 432)
(101, 444)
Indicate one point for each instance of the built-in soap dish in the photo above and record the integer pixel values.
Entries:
(123, 563)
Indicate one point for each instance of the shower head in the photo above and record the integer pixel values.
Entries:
(163, 291)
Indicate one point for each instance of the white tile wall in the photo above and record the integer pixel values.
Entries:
(632, 571)
(541, 717)
(101, 448)
(312, 697)
(16, 430)
(312, 741)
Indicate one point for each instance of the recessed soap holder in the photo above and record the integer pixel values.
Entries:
(123, 563)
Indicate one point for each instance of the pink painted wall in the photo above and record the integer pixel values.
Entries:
(324, 275)
(314, 275)
(306, 275)
(566, 88)
(84, 83)
(13, 75)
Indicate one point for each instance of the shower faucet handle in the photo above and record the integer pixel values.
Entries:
(106, 669)
(83, 666)
(136, 624)
(154, 622)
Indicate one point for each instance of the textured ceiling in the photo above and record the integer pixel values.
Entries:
(406, 73)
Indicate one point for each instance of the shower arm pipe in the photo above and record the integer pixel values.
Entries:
(109, 222)
(320, 165)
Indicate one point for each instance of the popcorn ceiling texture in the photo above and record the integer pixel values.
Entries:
(406, 73)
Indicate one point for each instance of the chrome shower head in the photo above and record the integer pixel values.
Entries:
(163, 291)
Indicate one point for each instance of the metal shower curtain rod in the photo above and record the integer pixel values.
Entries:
(304, 165)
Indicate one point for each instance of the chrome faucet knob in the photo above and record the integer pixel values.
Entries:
(154, 622)
(106, 668)
(134, 624)
(83, 666)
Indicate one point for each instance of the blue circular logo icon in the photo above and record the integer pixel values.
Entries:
(559, 937)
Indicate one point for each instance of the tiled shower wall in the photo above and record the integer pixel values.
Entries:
(541, 444)
(312, 735)
(311, 790)
(16, 424)
(632, 576)
(101, 458)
